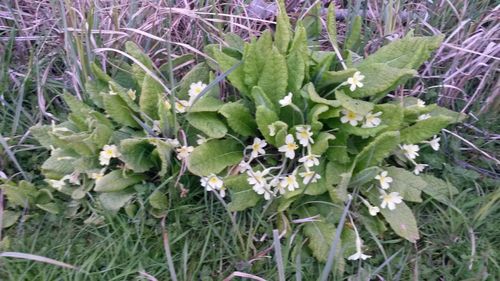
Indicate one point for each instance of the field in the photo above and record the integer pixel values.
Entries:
(167, 225)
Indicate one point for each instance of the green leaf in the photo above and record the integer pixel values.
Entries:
(164, 151)
(354, 35)
(239, 118)
(401, 220)
(265, 117)
(59, 164)
(51, 207)
(335, 77)
(23, 194)
(337, 151)
(274, 77)
(314, 97)
(408, 52)
(296, 71)
(281, 129)
(299, 43)
(456, 117)
(362, 132)
(119, 111)
(283, 29)
(136, 153)
(364, 176)
(76, 106)
(10, 218)
(320, 236)
(237, 76)
(41, 134)
(135, 51)
(321, 185)
(261, 98)
(207, 122)
(438, 189)
(214, 156)
(206, 104)
(357, 106)
(321, 143)
(377, 150)
(158, 200)
(125, 95)
(99, 74)
(331, 24)
(313, 117)
(392, 115)
(117, 180)
(291, 115)
(150, 93)
(381, 78)
(425, 129)
(255, 56)
(242, 194)
(114, 201)
(199, 72)
(94, 88)
(101, 135)
(234, 41)
(406, 184)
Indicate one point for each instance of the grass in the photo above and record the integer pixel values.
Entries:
(45, 53)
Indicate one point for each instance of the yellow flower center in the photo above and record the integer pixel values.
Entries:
(292, 146)
(351, 115)
(304, 134)
(213, 180)
(255, 146)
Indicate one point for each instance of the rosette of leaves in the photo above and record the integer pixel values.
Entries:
(268, 70)
(117, 146)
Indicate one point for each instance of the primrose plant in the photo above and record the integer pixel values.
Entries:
(312, 131)
(296, 131)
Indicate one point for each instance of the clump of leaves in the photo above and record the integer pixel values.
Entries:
(309, 132)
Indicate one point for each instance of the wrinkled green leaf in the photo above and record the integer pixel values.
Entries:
(314, 97)
(354, 35)
(408, 52)
(214, 156)
(239, 118)
(158, 200)
(274, 77)
(237, 76)
(136, 153)
(425, 129)
(321, 143)
(116, 180)
(283, 29)
(265, 117)
(150, 93)
(242, 194)
(438, 189)
(377, 150)
(206, 104)
(357, 106)
(207, 122)
(114, 201)
(381, 78)
(118, 109)
(10, 218)
(313, 117)
(320, 236)
(406, 184)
